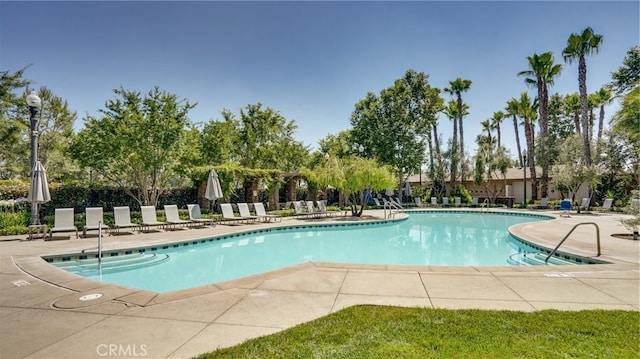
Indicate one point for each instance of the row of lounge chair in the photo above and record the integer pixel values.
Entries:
(544, 203)
(457, 201)
(307, 209)
(565, 205)
(245, 215)
(94, 216)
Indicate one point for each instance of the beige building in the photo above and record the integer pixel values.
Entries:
(511, 186)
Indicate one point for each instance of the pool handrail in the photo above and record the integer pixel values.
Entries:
(571, 231)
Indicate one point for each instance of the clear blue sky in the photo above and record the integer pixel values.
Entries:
(312, 61)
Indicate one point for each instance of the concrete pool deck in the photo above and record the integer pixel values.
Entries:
(42, 316)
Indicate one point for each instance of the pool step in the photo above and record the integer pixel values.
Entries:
(536, 259)
(112, 264)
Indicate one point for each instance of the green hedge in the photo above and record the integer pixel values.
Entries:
(15, 218)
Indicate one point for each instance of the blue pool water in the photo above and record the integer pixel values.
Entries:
(426, 238)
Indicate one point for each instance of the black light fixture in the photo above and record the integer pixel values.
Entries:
(524, 167)
(34, 103)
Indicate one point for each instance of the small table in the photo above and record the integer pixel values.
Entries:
(37, 231)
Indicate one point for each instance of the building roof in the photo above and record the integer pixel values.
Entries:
(514, 173)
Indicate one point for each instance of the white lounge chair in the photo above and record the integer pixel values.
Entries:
(585, 203)
(300, 210)
(63, 222)
(228, 216)
(196, 216)
(445, 201)
(149, 218)
(390, 203)
(457, 201)
(311, 210)
(377, 202)
(418, 201)
(434, 201)
(544, 203)
(93, 217)
(608, 203)
(322, 208)
(173, 216)
(243, 210)
(122, 218)
(263, 215)
(474, 202)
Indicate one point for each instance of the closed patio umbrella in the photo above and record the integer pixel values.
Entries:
(39, 190)
(407, 189)
(214, 191)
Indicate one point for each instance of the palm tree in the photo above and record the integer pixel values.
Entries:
(541, 73)
(627, 119)
(486, 126)
(527, 110)
(572, 105)
(496, 120)
(457, 87)
(579, 46)
(451, 111)
(605, 97)
(513, 110)
(593, 101)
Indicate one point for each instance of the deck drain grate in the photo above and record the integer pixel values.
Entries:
(90, 297)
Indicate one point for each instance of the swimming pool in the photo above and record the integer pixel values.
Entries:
(453, 238)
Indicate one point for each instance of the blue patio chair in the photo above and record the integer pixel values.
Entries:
(565, 206)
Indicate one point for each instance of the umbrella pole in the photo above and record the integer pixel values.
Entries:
(34, 213)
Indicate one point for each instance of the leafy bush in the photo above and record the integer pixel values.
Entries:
(462, 192)
(12, 223)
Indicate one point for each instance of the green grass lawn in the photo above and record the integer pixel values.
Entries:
(391, 332)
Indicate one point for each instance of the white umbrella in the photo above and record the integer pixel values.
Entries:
(407, 189)
(39, 189)
(213, 187)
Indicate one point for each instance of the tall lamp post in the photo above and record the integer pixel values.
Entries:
(524, 167)
(34, 102)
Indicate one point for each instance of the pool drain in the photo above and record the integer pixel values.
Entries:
(90, 297)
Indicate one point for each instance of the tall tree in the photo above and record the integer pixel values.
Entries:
(219, 138)
(528, 112)
(541, 74)
(627, 77)
(627, 119)
(451, 111)
(592, 103)
(513, 110)
(456, 88)
(604, 98)
(578, 47)
(14, 126)
(496, 121)
(54, 128)
(572, 106)
(391, 127)
(486, 126)
(626, 122)
(137, 142)
(560, 126)
(491, 165)
(438, 168)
